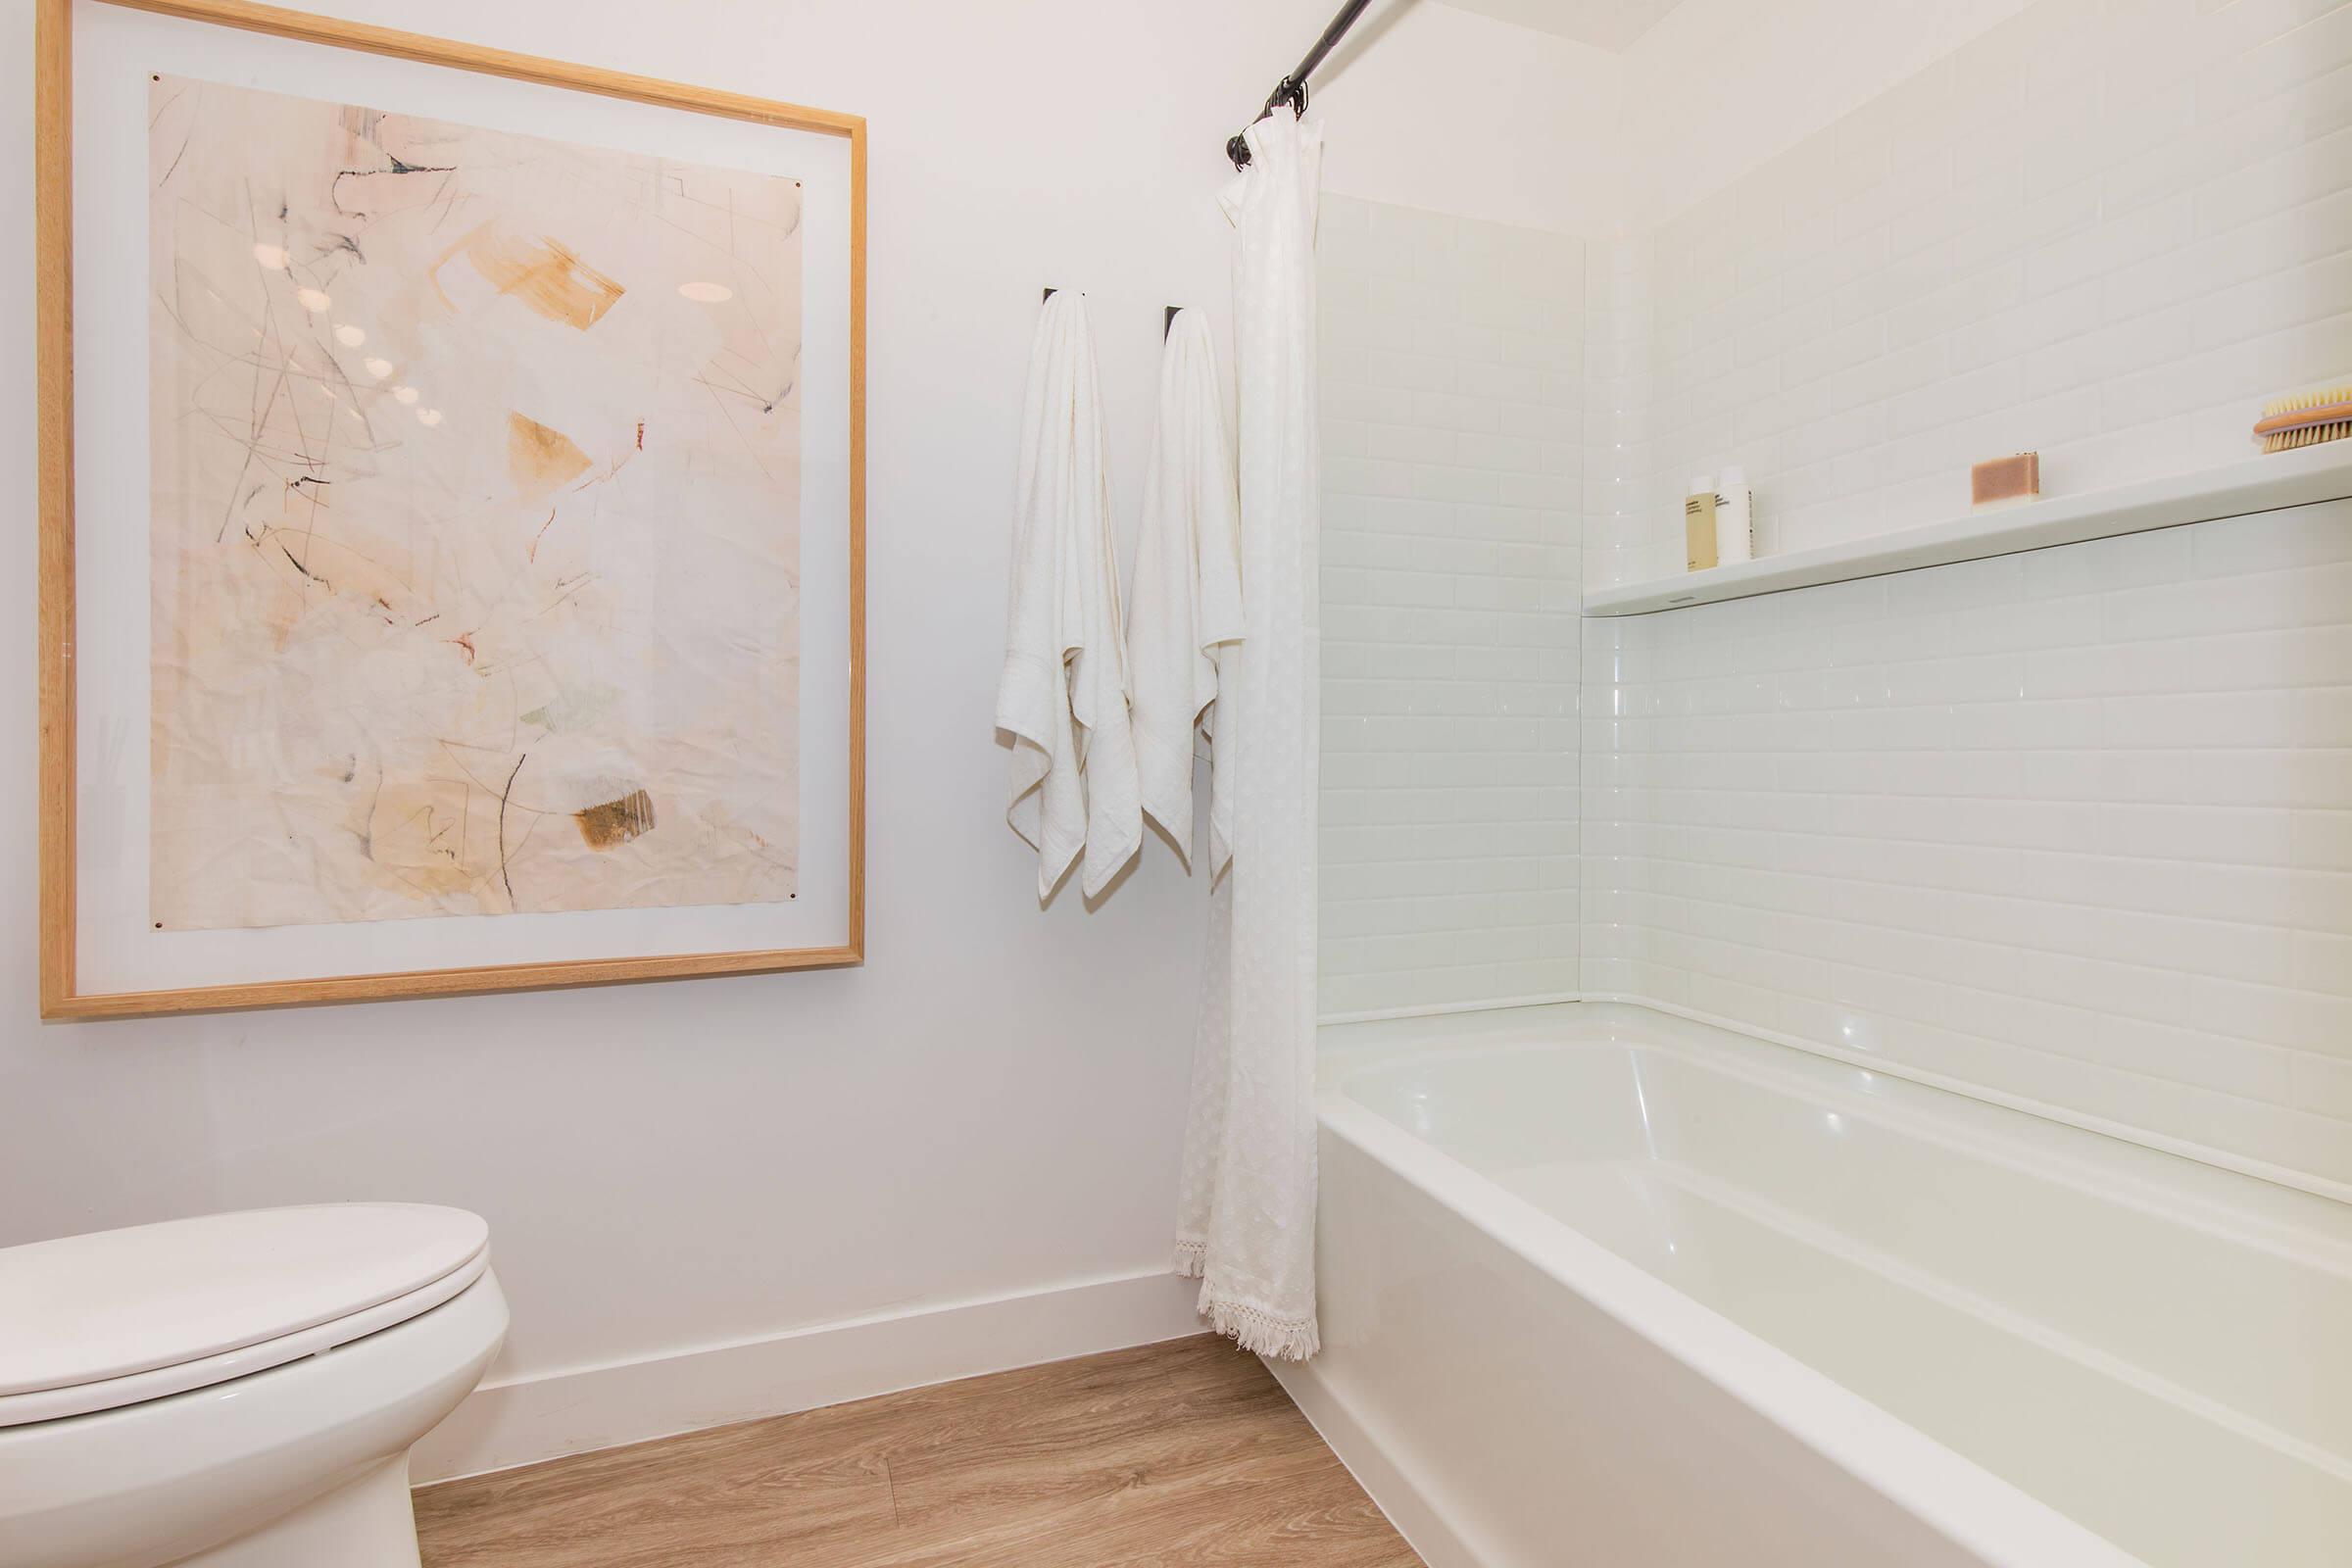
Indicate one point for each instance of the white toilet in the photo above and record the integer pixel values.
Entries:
(239, 1390)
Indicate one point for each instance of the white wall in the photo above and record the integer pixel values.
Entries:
(993, 1104)
(1449, 112)
(1451, 379)
(2107, 230)
(1854, 246)
(1452, 372)
(2066, 826)
(1722, 86)
(2074, 826)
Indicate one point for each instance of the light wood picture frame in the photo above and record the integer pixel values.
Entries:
(63, 995)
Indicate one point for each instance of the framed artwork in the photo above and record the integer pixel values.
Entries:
(452, 536)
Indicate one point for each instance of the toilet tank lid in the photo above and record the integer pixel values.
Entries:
(82, 1309)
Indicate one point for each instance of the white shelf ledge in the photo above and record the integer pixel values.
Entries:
(2256, 484)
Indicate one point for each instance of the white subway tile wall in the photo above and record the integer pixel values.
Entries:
(2075, 825)
(2106, 229)
(1452, 376)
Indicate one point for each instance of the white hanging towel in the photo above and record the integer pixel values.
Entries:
(1183, 620)
(1063, 692)
(1246, 1221)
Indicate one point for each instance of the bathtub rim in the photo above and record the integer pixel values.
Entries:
(2244, 1208)
(1344, 1042)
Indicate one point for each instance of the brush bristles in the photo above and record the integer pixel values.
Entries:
(2306, 400)
(2310, 435)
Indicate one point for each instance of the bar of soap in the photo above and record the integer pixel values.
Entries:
(1999, 479)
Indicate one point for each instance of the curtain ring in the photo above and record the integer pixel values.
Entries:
(1290, 90)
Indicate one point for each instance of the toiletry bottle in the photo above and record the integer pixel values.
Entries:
(1734, 518)
(1698, 526)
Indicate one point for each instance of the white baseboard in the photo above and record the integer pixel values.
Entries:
(601, 1406)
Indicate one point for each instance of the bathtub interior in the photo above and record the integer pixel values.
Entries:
(2158, 1349)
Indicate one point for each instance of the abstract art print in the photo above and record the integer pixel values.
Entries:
(474, 549)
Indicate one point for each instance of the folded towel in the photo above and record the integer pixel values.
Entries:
(1064, 693)
(1185, 611)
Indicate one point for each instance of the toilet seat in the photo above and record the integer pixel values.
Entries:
(217, 1299)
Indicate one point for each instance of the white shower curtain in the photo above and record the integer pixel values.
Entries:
(1247, 1221)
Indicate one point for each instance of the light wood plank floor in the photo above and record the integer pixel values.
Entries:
(1176, 1454)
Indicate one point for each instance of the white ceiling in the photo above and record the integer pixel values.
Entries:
(1603, 23)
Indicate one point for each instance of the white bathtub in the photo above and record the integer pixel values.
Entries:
(1601, 1286)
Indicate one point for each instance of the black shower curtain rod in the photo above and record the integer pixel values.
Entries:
(1292, 89)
